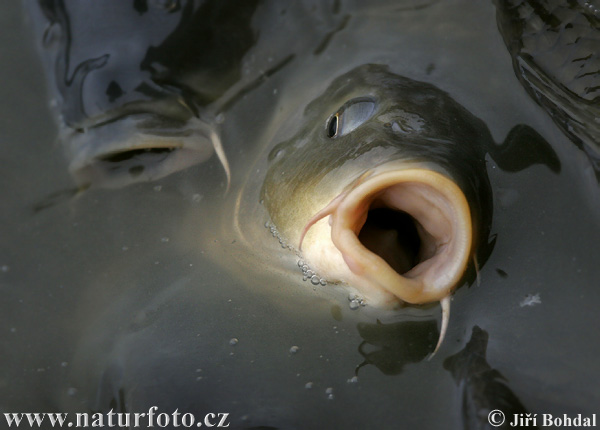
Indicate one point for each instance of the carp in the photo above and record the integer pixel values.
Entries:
(386, 189)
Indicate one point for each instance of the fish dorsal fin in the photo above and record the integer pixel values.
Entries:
(522, 148)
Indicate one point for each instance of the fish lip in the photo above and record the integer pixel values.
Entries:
(433, 200)
(168, 109)
(156, 144)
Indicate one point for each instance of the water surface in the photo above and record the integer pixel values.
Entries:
(132, 296)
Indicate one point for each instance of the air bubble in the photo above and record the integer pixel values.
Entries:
(308, 385)
(233, 341)
(220, 118)
(323, 281)
(4, 268)
(352, 380)
(329, 392)
(294, 349)
(72, 391)
(301, 263)
(315, 280)
(354, 304)
(164, 239)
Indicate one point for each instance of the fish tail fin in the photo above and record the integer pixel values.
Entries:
(445, 303)
(216, 141)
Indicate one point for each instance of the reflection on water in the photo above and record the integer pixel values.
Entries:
(557, 63)
(390, 347)
(128, 298)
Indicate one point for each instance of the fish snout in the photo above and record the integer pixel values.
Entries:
(400, 232)
(135, 148)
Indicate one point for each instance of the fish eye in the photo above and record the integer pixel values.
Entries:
(350, 116)
(333, 126)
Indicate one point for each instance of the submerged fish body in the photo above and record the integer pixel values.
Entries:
(386, 189)
(141, 90)
(130, 85)
(554, 48)
(483, 389)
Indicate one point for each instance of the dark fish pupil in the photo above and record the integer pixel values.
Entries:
(333, 126)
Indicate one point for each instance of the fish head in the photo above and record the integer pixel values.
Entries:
(131, 82)
(385, 189)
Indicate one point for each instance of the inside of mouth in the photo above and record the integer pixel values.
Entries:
(394, 236)
(411, 227)
(133, 162)
(143, 155)
(120, 168)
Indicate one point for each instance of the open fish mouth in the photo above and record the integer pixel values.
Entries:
(137, 147)
(406, 232)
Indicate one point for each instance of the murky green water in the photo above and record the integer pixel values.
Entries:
(131, 296)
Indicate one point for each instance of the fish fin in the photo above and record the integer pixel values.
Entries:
(524, 147)
(216, 141)
(445, 303)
